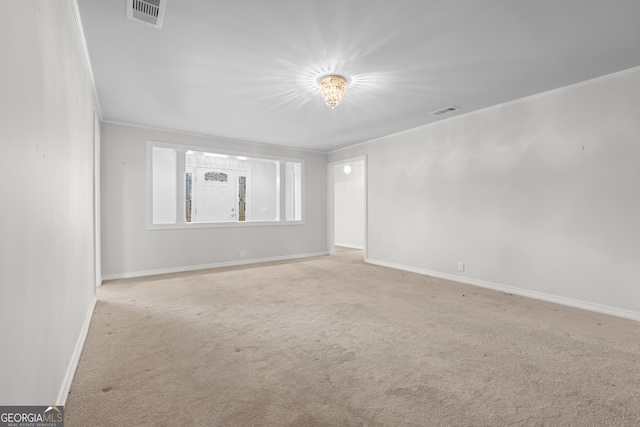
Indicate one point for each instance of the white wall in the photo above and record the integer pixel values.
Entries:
(129, 249)
(541, 195)
(47, 277)
(263, 197)
(349, 208)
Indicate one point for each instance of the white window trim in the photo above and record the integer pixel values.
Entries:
(281, 221)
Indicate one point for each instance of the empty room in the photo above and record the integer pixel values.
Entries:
(303, 213)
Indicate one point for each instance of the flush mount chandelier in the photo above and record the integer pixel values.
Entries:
(332, 88)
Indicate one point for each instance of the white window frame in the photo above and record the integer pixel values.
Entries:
(181, 223)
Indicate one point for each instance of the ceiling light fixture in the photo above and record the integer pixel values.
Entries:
(332, 88)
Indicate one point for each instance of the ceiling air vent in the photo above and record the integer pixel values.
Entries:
(444, 111)
(148, 12)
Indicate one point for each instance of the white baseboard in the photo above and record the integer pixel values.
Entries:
(346, 245)
(207, 266)
(598, 308)
(75, 358)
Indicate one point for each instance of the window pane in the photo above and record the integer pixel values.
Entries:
(196, 186)
(228, 188)
(188, 196)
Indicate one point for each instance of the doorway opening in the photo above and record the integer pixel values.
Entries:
(348, 206)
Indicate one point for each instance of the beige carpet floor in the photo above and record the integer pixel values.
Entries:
(332, 341)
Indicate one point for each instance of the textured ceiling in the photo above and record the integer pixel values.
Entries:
(248, 69)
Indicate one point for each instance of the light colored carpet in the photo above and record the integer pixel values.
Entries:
(332, 341)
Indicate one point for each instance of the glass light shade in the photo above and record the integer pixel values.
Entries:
(333, 88)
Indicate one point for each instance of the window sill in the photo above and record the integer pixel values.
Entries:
(230, 224)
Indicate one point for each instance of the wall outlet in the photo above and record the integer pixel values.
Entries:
(242, 254)
(460, 266)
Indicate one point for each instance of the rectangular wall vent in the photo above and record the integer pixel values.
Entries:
(444, 111)
(149, 12)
